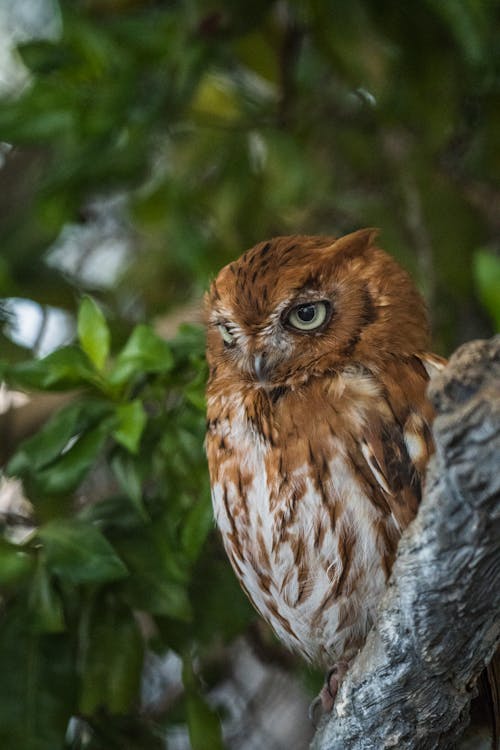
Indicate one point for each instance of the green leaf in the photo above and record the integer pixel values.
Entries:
(57, 458)
(117, 514)
(68, 472)
(259, 53)
(50, 123)
(213, 585)
(190, 343)
(216, 97)
(78, 553)
(198, 523)
(93, 332)
(167, 598)
(112, 660)
(203, 722)
(127, 473)
(487, 274)
(65, 369)
(41, 56)
(464, 21)
(131, 422)
(46, 614)
(59, 467)
(151, 585)
(15, 564)
(37, 688)
(194, 392)
(144, 352)
(52, 439)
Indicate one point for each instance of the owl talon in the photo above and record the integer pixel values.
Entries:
(315, 711)
(323, 703)
(333, 679)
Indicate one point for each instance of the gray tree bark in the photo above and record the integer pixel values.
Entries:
(438, 624)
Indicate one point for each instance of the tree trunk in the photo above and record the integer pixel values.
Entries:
(438, 624)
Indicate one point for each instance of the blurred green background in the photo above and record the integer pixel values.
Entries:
(142, 146)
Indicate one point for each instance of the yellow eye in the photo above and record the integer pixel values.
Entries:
(308, 316)
(226, 335)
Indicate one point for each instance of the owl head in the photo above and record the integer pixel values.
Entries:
(299, 307)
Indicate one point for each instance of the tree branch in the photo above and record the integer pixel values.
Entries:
(438, 625)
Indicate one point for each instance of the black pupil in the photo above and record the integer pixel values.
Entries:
(306, 313)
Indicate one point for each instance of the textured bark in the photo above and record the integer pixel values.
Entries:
(438, 624)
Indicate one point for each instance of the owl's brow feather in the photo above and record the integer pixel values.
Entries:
(310, 284)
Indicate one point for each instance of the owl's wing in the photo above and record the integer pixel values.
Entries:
(397, 444)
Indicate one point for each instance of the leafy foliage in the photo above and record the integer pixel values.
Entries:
(224, 125)
(202, 129)
(77, 583)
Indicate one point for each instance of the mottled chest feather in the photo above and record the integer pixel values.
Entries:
(308, 521)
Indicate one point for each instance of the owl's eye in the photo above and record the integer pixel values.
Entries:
(226, 335)
(308, 316)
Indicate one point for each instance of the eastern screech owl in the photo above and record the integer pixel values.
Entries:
(318, 430)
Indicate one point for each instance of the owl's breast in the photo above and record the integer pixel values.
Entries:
(303, 538)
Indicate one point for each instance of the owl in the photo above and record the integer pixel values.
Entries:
(318, 432)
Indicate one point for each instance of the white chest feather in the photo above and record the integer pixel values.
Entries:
(305, 547)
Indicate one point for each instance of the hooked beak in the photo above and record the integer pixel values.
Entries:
(261, 371)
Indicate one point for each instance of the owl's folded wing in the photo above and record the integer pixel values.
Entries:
(397, 444)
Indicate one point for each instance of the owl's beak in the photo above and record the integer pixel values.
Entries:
(259, 367)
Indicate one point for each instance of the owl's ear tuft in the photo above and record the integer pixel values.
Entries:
(355, 243)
